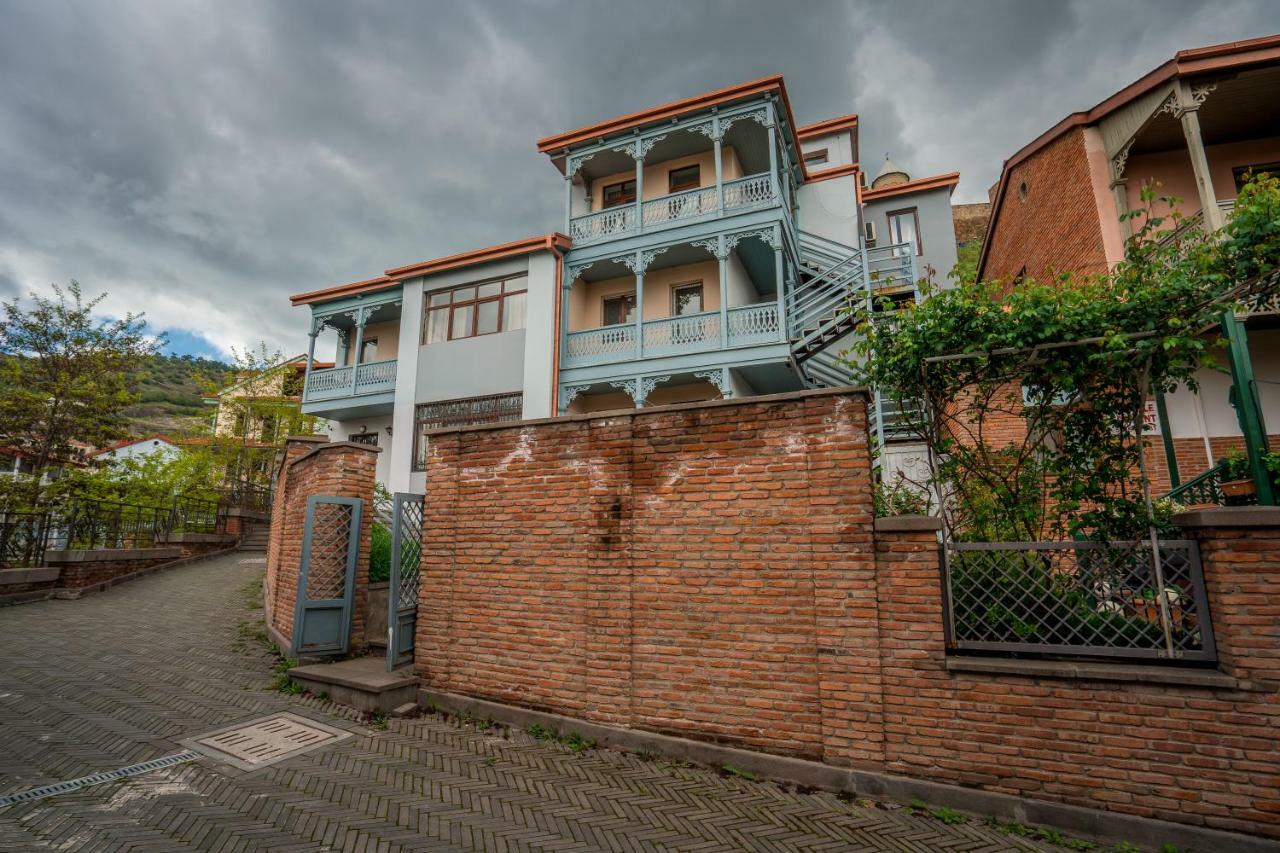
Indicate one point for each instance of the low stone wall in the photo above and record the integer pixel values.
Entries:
(713, 571)
(311, 465)
(83, 569)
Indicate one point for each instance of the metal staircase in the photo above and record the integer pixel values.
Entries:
(835, 278)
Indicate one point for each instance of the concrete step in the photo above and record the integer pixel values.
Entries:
(361, 683)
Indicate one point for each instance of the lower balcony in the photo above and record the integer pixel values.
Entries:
(340, 392)
(686, 334)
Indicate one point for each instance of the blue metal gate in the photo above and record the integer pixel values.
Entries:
(402, 591)
(327, 576)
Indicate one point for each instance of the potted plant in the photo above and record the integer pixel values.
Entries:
(1237, 482)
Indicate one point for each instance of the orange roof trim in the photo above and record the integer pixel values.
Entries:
(833, 172)
(529, 245)
(366, 286)
(828, 126)
(919, 185)
(558, 142)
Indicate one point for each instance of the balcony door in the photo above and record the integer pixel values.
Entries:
(686, 300)
(620, 309)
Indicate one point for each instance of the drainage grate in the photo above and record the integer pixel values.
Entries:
(259, 743)
(98, 778)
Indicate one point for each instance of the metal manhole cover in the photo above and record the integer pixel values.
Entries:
(259, 743)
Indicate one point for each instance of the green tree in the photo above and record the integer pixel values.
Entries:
(65, 377)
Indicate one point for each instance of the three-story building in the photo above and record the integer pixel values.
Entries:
(710, 248)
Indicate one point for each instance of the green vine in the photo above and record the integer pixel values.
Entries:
(1035, 390)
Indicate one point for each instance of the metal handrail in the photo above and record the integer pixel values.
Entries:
(1203, 489)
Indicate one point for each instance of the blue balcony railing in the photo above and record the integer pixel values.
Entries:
(682, 335)
(374, 377)
(740, 194)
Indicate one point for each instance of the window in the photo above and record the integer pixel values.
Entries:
(476, 309)
(620, 309)
(686, 299)
(1243, 173)
(816, 157)
(616, 194)
(684, 178)
(470, 411)
(904, 226)
(368, 350)
(369, 438)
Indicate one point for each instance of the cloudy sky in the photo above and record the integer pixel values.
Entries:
(200, 161)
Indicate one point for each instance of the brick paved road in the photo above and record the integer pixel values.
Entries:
(122, 676)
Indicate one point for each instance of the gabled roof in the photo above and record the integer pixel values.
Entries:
(919, 185)
(392, 277)
(1216, 58)
(269, 368)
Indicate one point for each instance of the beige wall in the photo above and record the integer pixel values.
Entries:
(660, 396)
(655, 174)
(586, 300)
(387, 334)
(1173, 170)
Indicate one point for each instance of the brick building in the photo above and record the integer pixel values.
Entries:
(1196, 125)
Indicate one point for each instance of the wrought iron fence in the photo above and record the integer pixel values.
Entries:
(96, 524)
(23, 539)
(1111, 599)
(246, 495)
(1204, 489)
(196, 515)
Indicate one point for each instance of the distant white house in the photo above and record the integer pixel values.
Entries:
(136, 448)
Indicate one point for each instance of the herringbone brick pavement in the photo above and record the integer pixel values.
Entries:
(122, 676)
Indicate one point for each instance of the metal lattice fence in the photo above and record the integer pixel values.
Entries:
(328, 554)
(23, 539)
(1078, 598)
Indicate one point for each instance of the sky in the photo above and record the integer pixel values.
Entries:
(200, 160)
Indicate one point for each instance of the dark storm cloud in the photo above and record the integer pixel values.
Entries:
(203, 160)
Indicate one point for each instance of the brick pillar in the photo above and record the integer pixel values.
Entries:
(435, 579)
(1240, 554)
(912, 642)
(281, 580)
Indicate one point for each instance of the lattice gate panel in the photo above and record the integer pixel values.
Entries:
(406, 556)
(326, 575)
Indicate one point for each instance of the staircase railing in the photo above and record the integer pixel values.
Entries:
(1204, 489)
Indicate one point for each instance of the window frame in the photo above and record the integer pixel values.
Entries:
(509, 286)
(364, 343)
(915, 215)
(604, 308)
(816, 157)
(686, 285)
(671, 173)
(604, 194)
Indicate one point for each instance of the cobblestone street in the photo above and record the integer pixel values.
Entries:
(124, 676)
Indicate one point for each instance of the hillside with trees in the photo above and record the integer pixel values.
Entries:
(170, 393)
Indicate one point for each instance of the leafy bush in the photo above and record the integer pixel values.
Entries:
(380, 553)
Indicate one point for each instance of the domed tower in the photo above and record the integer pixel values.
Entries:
(889, 175)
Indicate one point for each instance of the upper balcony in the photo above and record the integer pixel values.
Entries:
(363, 382)
(705, 167)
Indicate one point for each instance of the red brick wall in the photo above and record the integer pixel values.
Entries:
(663, 569)
(338, 469)
(711, 570)
(1057, 227)
(1193, 755)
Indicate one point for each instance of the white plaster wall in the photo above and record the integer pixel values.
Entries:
(540, 337)
(1192, 415)
(740, 387)
(839, 147)
(141, 449)
(830, 209)
(343, 430)
(399, 457)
